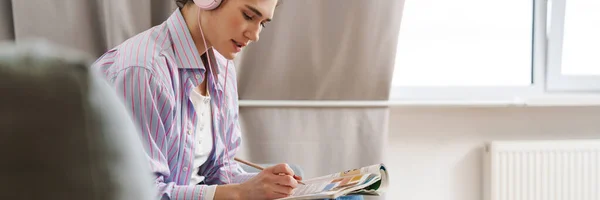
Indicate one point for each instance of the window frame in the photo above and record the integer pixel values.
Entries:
(556, 81)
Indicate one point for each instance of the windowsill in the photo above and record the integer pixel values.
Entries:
(545, 101)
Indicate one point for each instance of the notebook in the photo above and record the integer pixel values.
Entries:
(369, 180)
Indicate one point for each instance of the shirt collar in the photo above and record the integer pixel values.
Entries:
(185, 50)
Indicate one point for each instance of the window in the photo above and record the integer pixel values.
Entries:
(495, 50)
(465, 43)
(574, 45)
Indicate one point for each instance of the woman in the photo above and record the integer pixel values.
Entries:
(178, 100)
(182, 96)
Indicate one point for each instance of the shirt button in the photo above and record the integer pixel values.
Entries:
(185, 169)
(189, 132)
(198, 76)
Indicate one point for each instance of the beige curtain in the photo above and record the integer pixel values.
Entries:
(92, 26)
(320, 50)
(324, 50)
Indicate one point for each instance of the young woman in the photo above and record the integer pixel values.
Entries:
(182, 96)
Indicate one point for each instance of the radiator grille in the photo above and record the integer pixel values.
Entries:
(544, 170)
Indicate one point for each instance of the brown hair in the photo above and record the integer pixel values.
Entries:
(182, 3)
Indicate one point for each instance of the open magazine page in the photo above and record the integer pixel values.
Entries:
(338, 183)
(374, 169)
(378, 187)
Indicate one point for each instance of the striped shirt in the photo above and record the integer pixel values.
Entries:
(154, 73)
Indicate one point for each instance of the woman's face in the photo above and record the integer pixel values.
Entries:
(236, 23)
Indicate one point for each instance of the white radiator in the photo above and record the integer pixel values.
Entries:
(542, 170)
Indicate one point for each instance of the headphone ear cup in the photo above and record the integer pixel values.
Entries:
(207, 4)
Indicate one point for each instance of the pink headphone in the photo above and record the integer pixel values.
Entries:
(207, 4)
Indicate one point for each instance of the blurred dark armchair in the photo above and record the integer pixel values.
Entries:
(64, 134)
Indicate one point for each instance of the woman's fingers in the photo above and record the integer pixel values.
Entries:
(281, 189)
(299, 178)
(286, 180)
(282, 168)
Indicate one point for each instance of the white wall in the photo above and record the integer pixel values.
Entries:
(435, 153)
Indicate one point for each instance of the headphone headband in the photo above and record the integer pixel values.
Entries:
(208, 4)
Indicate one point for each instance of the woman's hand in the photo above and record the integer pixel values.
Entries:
(271, 183)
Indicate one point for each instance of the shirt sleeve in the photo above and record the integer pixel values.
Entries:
(151, 105)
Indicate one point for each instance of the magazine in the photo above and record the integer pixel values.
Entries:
(369, 180)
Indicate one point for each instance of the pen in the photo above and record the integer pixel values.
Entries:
(260, 168)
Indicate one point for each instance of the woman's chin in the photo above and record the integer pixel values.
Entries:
(227, 53)
(230, 55)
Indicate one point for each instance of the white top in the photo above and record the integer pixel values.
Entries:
(203, 136)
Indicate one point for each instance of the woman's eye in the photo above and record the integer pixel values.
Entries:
(246, 16)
